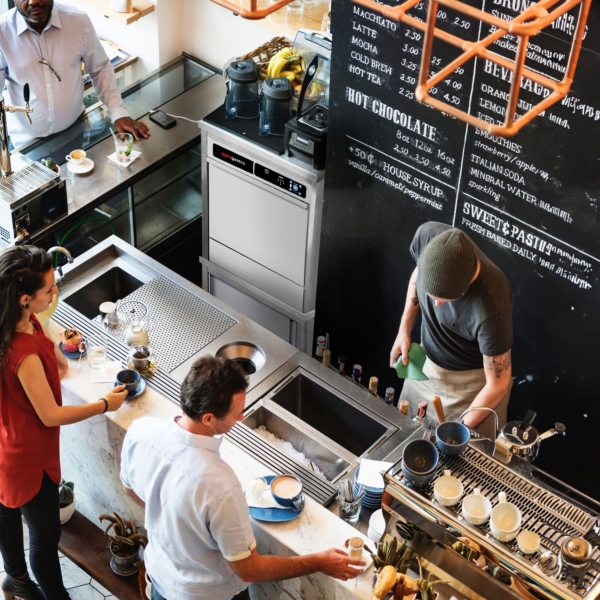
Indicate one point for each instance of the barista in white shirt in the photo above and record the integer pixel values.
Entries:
(44, 44)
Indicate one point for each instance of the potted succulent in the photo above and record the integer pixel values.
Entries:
(391, 580)
(124, 544)
(66, 499)
(50, 164)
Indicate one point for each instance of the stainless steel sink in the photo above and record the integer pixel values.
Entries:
(111, 286)
(331, 413)
(114, 270)
(331, 459)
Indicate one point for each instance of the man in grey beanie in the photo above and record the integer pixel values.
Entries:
(466, 330)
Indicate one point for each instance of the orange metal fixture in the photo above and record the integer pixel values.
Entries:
(525, 25)
(253, 12)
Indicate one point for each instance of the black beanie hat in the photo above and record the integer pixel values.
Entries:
(447, 265)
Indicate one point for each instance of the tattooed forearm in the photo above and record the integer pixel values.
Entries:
(414, 298)
(498, 364)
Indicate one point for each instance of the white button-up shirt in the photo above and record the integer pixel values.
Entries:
(67, 40)
(196, 514)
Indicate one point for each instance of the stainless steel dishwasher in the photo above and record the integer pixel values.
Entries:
(261, 231)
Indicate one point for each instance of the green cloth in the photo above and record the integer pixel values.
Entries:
(416, 360)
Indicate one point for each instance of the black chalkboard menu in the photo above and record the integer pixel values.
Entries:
(530, 202)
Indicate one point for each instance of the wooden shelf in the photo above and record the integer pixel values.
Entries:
(141, 8)
(85, 544)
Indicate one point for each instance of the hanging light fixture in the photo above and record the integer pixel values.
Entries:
(528, 23)
(253, 12)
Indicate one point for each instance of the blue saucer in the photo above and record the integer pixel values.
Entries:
(140, 390)
(71, 354)
(275, 515)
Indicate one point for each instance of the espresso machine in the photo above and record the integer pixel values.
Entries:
(32, 196)
(566, 564)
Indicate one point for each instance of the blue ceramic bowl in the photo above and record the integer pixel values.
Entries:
(419, 462)
(452, 438)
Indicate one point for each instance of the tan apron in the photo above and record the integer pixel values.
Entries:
(457, 389)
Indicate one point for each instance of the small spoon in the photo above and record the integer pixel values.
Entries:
(81, 348)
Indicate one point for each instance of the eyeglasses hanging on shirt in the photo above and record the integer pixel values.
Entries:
(45, 62)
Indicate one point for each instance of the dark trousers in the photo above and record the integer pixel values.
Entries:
(43, 520)
(241, 596)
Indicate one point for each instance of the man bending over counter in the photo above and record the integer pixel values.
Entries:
(201, 545)
(43, 44)
(466, 330)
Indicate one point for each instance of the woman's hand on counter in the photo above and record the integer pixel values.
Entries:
(136, 128)
(35, 384)
(115, 397)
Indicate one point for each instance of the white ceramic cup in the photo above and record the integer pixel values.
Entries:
(505, 520)
(476, 509)
(448, 490)
(528, 542)
(78, 158)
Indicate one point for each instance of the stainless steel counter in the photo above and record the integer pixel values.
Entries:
(115, 253)
(329, 417)
(107, 179)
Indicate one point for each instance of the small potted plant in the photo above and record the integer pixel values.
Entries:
(66, 499)
(425, 585)
(124, 544)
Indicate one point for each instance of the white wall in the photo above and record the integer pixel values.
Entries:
(153, 44)
(199, 27)
(214, 34)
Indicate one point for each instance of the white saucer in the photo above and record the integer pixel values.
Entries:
(85, 167)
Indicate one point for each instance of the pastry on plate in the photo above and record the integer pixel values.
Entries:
(70, 339)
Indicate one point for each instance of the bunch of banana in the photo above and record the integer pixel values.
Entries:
(285, 64)
(391, 554)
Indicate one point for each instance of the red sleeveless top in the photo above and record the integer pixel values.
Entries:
(27, 446)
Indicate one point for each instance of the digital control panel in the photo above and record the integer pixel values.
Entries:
(285, 183)
(233, 159)
(302, 143)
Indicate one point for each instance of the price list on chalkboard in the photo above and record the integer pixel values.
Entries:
(530, 202)
(534, 194)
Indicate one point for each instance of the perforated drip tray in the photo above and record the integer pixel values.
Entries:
(182, 323)
(116, 350)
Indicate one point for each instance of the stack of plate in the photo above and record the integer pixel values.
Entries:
(376, 525)
(373, 496)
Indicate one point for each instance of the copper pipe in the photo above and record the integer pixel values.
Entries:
(538, 17)
(515, 88)
(253, 12)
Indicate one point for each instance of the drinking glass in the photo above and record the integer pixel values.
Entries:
(69, 185)
(96, 351)
(350, 499)
(123, 147)
(293, 14)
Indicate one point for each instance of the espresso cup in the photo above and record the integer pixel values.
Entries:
(448, 490)
(287, 491)
(76, 157)
(528, 542)
(130, 379)
(452, 438)
(505, 520)
(419, 462)
(476, 509)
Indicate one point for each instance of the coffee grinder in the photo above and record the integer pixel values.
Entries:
(305, 135)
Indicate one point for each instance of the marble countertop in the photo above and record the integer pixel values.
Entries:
(315, 530)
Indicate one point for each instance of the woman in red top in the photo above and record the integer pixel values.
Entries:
(31, 413)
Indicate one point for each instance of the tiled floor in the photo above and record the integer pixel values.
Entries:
(80, 585)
